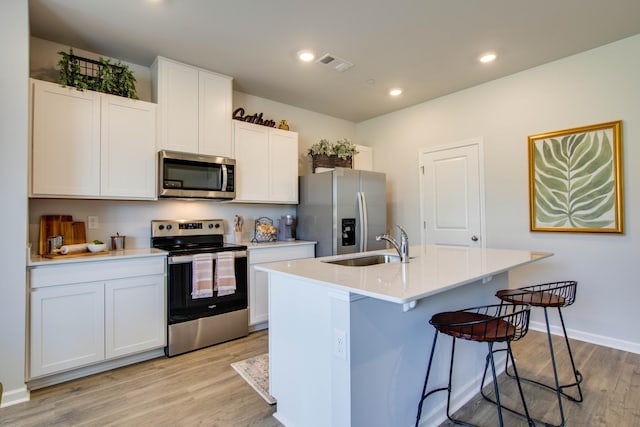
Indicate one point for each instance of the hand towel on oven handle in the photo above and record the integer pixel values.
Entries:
(202, 276)
(225, 274)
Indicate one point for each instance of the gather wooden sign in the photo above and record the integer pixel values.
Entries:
(257, 119)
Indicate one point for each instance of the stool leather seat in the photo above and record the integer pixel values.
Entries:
(534, 298)
(473, 326)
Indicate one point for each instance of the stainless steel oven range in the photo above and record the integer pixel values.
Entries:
(196, 320)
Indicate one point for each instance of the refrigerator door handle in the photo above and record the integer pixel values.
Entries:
(364, 226)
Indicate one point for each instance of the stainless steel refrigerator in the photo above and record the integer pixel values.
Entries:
(343, 210)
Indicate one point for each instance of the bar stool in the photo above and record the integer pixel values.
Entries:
(490, 324)
(549, 295)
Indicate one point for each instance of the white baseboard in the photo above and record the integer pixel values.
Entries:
(12, 397)
(602, 340)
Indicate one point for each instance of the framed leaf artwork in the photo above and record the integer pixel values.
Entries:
(575, 180)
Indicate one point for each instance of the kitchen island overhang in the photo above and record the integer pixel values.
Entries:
(345, 351)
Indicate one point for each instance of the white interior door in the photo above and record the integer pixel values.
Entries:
(451, 194)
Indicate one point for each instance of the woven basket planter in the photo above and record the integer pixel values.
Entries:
(324, 161)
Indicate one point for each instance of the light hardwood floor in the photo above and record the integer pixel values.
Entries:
(201, 389)
(611, 386)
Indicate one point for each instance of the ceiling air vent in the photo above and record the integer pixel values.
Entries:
(334, 62)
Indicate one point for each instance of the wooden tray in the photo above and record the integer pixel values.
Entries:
(74, 255)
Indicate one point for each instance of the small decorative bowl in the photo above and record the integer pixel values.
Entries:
(99, 247)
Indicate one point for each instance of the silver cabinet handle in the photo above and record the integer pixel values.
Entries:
(474, 238)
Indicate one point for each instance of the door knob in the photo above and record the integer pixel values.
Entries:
(474, 238)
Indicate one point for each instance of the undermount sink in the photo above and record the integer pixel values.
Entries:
(364, 261)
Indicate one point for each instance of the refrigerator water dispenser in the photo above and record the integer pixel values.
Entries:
(348, 231)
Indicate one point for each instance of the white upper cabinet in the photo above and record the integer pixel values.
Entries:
(65, 135)
(127, 149)
(195, 108)
(87, 144)
(364, 159)
(266, 164)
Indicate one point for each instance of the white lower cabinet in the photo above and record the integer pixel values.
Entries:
(258, 281)
(130, 306)
(87, 313)
(67, 327)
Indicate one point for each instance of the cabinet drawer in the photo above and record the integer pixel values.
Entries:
(285, 253)
(66, 274)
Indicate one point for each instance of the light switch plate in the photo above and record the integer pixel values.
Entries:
(92, 222)
(340, 344)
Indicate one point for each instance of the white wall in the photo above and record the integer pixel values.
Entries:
(597, 86)
(14, 33)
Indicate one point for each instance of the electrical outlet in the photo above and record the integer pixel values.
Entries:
(340, 344)
(92, 222)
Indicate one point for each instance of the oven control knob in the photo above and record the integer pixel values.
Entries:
(161, 227)
(169, 227)
(211, 225)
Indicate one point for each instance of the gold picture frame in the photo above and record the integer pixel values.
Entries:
(575, 180)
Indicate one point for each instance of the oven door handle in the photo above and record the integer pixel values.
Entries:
(183, 259)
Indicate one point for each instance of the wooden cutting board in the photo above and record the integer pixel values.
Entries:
(60, 225)
(50, 225)
(74, 232)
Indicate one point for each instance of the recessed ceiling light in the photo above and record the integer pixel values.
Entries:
(306, 55)
(488, 57)
(395, 92)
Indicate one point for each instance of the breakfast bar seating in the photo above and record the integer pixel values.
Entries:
(502, 323)
(550, 295)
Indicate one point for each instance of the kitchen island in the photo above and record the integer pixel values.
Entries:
(349, 345)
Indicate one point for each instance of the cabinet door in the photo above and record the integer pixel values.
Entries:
(364, 159)
(134, 318)
(128, 148)
(283, 159)
(65, 141)
(252, 162)
(258, 296)
(258, 280)
(215, 114)
(178, 101)
(67, 327)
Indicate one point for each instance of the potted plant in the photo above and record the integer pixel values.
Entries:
(332, 154)
(100, 76)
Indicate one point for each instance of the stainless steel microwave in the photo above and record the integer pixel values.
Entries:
(188, 175)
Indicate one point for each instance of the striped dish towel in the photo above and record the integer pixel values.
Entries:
(225, 274)
(202, 276)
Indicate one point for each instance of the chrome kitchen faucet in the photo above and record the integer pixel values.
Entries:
(402, 248)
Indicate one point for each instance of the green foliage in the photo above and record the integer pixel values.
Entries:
(115, 79)
(574, 181)
(343, 148)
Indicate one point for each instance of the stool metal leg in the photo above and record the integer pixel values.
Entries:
(559, 388)
(447, 388)
(426, 380)
(490, 359)
(576, 374)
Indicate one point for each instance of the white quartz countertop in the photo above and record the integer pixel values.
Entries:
(431, 270)
(37, 260)
(277, 244)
